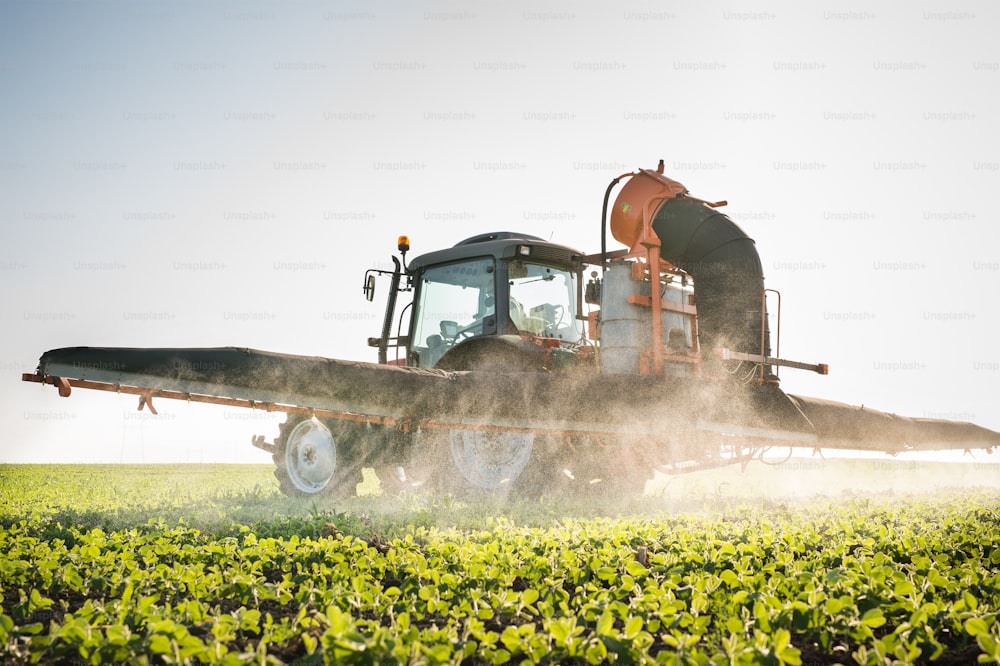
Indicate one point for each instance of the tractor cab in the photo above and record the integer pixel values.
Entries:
(490, 290)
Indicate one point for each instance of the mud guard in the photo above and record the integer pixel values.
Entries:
(503, 353)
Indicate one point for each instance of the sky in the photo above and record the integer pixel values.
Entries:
(211, 174)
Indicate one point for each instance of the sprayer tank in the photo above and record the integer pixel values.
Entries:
(626, 329)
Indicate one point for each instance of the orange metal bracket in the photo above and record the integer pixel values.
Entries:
(682, 308)
(146, 400)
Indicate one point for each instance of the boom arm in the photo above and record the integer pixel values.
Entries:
(644, 408)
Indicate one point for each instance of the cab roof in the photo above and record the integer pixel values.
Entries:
(501, 245)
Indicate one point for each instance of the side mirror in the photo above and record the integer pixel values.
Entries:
(370, 287)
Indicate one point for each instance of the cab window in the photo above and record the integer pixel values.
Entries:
(456, 302)
(543, 301)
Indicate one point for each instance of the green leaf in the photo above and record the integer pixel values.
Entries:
(160, 644)
(511, 640)
(596, 653)
(636, 569)
(935, 578)
(340, 622)
(605, 624)
(975, 626)
(873, 618)
(729, 577)
(439, 654)
(762, 616)
(633, 627)
(31, 629)
(781, 638)
(559, 630)
(6, 626)
(190, 646)
(783, 649)
(989, 646)
(117, 634)
(607, 573)
(501, 657)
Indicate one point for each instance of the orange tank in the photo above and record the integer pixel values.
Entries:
(636, 206)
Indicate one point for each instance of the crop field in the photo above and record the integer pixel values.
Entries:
(191, 564)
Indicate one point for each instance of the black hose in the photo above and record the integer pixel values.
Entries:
(604, 222)
(729, 278)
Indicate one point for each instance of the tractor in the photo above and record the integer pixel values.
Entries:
(519, 365)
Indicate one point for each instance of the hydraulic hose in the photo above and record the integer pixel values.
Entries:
(604, 220)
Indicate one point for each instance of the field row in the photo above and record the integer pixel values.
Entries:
(868, 582)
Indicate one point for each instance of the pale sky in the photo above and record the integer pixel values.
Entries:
(209, 174)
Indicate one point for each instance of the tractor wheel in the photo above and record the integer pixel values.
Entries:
(394, 456)
(311, 459)
(399, 480)
(490, 460)
(472, 462)
(602, 470)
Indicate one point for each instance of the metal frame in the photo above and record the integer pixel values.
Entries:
(146, 396)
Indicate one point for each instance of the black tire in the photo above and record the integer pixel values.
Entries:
(398, 479)
(389, 453)
(473, 463)
(545, 474)
(313, 458)
(469, 464)
(602, 470)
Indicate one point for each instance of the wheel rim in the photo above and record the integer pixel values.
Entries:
(490, 459)
(310, 456)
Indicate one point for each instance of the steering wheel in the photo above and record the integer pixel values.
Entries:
(472, 330)
(559, 313)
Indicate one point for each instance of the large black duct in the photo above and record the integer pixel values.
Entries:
(729, 279)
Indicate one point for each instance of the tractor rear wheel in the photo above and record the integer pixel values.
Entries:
(472, 462)
(312, 458)
(490, 460)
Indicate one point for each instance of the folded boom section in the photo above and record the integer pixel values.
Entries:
(661, 408)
